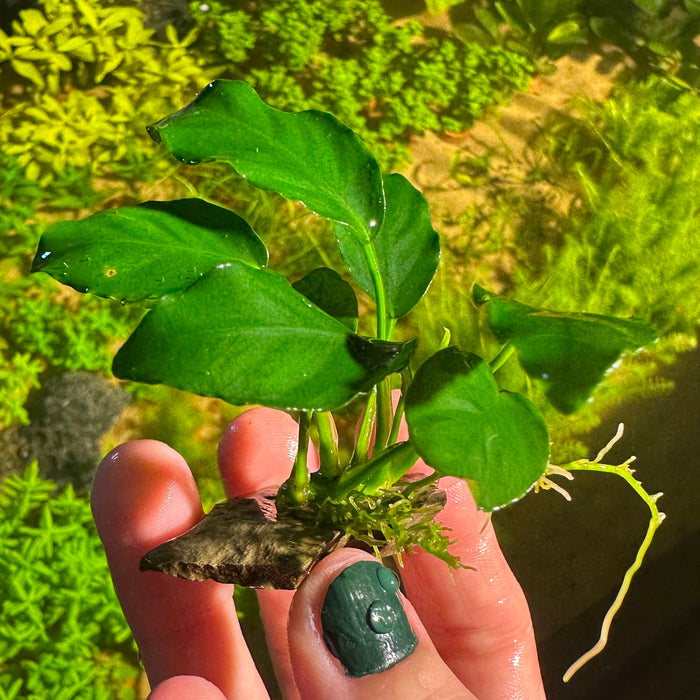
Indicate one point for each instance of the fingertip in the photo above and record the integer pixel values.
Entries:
(478, 617)
(186, 688)
(143, 493)
(257, 451)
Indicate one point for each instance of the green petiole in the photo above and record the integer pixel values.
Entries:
(502, 357)
(383, 470)
(295, 491)
(364, 434)
(328, 446)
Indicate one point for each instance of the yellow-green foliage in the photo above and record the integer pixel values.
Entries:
(19, 373)
(92, 77)
(82, 43)
(62, 631)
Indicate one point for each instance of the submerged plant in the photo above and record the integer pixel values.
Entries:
(220, 323)
(61, 627)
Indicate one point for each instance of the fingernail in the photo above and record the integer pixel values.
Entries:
(364, 624)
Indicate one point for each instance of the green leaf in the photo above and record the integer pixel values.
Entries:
(513, 16)
(143, 253)
(244, 335)
(573, 30)
(406, 246)
(307, 156)
(693, 7)
(332, 294)
(462, 425)
(28, 70)
(568, 352)
(651, 7)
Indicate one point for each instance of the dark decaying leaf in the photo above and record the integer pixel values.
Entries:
(242, 541)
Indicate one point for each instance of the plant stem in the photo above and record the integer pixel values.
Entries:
(502, 357)
(364, 434)
(385, 327)
(328, 447)
(398, 415)
(382, 471)
(295, 490)
(384, 415)
(370, 256)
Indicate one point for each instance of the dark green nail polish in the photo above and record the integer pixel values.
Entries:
(364, 625)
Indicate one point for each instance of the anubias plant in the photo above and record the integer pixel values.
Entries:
(220, 323)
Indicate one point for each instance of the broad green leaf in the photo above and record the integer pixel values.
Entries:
(145, 252)
(331, 293)
(307, 156)
(568, 352)
(406, 246)
(462, 425)
(244, 335)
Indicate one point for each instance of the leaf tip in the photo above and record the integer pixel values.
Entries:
(41, 259)
(480, 295)
(153, 131)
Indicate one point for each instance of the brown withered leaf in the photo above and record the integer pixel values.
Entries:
(242, 541)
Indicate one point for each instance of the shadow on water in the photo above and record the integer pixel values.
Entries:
(570, 557)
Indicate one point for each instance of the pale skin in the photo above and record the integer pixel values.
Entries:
(474, 629)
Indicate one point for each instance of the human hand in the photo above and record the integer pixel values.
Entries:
(473, 629)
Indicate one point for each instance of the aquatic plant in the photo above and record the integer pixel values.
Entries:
(385, 80)
(635, 160)
(62, 630)
(87, 71)
(84, 72)
(658, 34)
(220, 323)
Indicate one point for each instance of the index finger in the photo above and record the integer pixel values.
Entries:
(144, 494)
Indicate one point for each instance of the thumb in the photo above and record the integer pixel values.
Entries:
(353, 635)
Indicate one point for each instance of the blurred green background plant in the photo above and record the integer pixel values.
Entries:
(658, 34)
(62, 631)
(386, 80)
